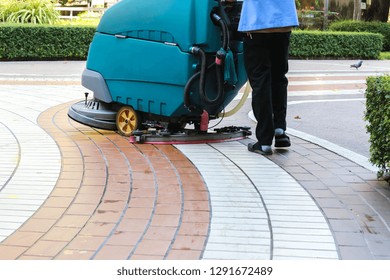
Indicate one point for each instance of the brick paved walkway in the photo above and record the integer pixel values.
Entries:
(72, 192)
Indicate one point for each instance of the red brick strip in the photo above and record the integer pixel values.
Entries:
(114, 200)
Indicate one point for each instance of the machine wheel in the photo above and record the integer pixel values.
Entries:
(127, 120)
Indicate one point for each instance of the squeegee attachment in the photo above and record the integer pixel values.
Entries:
(190, 136)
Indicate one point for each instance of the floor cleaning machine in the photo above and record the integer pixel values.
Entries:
(155, 66)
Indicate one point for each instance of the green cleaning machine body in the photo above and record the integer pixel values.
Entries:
(172, 61)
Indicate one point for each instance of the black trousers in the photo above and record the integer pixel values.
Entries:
(266, 63)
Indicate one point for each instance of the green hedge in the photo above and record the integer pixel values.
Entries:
(365, 26)
(44, 42)
(319, 44)
(378, 116)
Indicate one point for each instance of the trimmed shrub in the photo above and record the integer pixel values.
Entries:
(378, 116)
(47, 42)
(44, 42)
(365, 26)
(384, 56)
(318, 44)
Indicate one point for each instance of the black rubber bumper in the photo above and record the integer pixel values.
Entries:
(93, 113)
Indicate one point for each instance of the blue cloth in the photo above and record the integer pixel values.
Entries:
(230, 74)
(263, 14)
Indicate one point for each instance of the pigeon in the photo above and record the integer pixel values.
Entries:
(357, 65)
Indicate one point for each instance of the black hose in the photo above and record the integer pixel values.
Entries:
(224, 29)
(187, 90)
(225, 35)
(188, 86)
(202, 82)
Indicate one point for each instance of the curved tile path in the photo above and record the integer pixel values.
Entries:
(240, 226)
(258, 210)
(115, 200)
(30, 160)
(96, 196)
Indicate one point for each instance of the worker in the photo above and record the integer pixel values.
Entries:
(267, 26)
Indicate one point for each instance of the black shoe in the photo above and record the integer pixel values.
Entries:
(256, 148)
(282, 141)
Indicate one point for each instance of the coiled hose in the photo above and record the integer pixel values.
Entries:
(204, 69)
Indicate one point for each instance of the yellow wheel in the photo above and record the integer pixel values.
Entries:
(127, 120)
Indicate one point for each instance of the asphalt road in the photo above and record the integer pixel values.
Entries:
(336, 111)
(327, 102)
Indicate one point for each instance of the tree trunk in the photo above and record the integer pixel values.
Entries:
(357, 9)
(378, 10)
